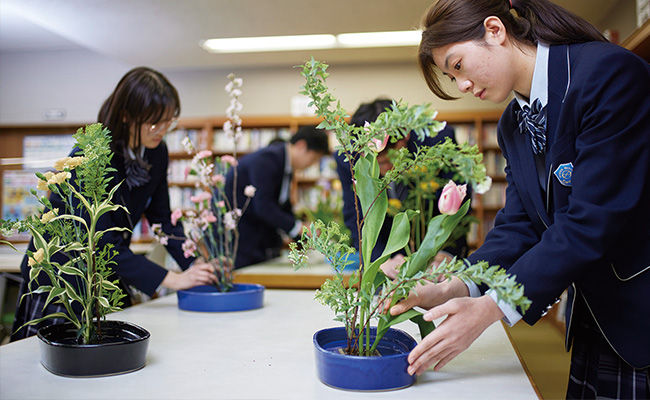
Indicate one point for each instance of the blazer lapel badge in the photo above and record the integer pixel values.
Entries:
(563, 173)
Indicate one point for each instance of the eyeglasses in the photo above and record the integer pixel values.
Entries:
(162, 128)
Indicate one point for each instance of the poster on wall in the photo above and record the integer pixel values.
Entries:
(17, 200)
(41, 151)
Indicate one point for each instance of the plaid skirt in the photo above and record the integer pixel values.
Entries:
(30, 308)
(598, 372)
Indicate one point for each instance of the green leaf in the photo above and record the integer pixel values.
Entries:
(438, 231)
(426, 327)
(397, 240)
(103, 301)
(49, 316)
(374, 202)
(71, 270)
(54, 293)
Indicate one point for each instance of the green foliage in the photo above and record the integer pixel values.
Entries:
(355, 301)
(73, 233)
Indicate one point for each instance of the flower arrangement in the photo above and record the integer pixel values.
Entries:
(211, 227)
(72, 234)
(355, 301)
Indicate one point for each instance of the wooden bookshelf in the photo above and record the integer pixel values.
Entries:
(479, 128)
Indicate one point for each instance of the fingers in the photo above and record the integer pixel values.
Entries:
(404, 305)
(466, 320)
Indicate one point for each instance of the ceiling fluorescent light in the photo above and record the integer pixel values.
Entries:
(269, 43)
(380, 39)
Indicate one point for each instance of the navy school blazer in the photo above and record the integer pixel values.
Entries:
(259, 238)
(591, 231)
(151, 200)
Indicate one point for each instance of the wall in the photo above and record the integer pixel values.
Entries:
(79, 81)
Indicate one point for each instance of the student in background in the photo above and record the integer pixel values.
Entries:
(368, 112)
(576, 138)
(142, 109)
(269, 215)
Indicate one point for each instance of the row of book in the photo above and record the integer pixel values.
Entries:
(495, 163)
(466, 133)
(496, 196)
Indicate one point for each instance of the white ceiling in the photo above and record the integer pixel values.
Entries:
(166, 33)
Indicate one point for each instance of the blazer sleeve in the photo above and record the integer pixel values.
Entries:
(513, 233)
(158, 212)
(349, 211)
(266, 172)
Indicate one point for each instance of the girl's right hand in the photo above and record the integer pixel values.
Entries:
(200, 273)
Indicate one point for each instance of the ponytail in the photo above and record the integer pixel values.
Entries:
(526, 22)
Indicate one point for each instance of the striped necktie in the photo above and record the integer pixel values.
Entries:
(533, 121)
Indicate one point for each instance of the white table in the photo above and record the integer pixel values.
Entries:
(259, 354)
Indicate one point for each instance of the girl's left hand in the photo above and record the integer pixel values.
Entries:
(466, 319)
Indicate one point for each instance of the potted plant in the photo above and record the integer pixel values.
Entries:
(86, 344)
(359, 356)
(211, 227)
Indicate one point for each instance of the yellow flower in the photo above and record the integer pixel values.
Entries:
(59, 178)
(68, 162)
(395, 203)
(430, 186)
(36, 257)
(42, 184)
(336, 185)
(47, 217)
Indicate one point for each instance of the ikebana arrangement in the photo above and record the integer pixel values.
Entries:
(359, 300)
(72, 235)
(211, 227)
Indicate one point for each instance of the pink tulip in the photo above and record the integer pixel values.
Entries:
(451, 198)
(379, 145)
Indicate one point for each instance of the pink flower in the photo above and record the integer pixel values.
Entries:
(163, 240)
(204, 154)
(218, 179)
(249, 191)
(200, 198)
(189, 247)
(187, 171)
(378, 145)
(229, 160)
(176, 215)
(221, 204)
(451, 198)
(208, 216)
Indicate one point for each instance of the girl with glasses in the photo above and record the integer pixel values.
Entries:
(141, 110)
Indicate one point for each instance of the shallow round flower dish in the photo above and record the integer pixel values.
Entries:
(123, 349)
(242, 296)
(385, 372)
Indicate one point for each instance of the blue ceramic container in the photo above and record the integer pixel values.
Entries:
(243, 296)
(341, 371)
(350, 267)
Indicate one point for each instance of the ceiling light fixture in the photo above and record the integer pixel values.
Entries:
(269, 43)
(379, 39)
(312, 42)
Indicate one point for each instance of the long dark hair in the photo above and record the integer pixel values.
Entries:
(143, 95)
(529, 21)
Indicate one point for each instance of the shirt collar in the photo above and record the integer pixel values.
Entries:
(539, 86)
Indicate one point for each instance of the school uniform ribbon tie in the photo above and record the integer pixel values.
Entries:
(533, 121)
